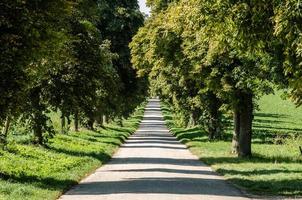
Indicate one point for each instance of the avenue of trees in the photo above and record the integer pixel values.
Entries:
(208, 57)
(67, 56)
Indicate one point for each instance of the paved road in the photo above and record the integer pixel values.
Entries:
(153, 165)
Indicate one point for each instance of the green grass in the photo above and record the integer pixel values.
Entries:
(276, 167)
(30, 172)
(277, 117)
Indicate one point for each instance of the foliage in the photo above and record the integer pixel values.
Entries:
(159, 5)
(288, 29)
(29, 33)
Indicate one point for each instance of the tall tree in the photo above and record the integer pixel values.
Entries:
(29, 32)
(119, 22)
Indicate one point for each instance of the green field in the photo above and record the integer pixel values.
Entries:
(30, 172)
(276, 167)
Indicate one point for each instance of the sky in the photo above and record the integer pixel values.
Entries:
(143, 7)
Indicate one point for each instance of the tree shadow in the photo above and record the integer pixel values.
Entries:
(152, 146)
(257, 172)
(152, 109)
(91, 139)
(121, 137)
(152, 142)
(158, 185)
(289, 187)
(192, 134)
(269, 121)
(48, 183)
(169, 170)
(277, 129)
(151, 138)
(168, 118)
(153, 118)
(274, 120)
(101, 156)
(165, 109)
(266, 130)
(120, 129)
(181, 130)
(255, 159)
(156, 160)
(137, 117)
(259, 114)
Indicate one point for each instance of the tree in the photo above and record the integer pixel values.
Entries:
(252, 28)
(28, 30)
(119, 21)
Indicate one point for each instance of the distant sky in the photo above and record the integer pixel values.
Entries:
(143, 7)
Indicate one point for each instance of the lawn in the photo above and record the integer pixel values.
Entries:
(276, 167)
(30, 172)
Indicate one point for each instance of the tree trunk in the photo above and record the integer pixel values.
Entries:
(76, 121)
(120, 121)
(68, 124)
(246, 119)
(6, 126)
(236, 133)
(63, 124)
(5, 130)
(99, 120)
(192, 121)
(91, 123)
(215, 118)
(213, 128)
(38, 130)
(106, 119)
(243, 119)
(37, 115)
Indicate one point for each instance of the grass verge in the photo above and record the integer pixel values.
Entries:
(276, 167)
(29, 172)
